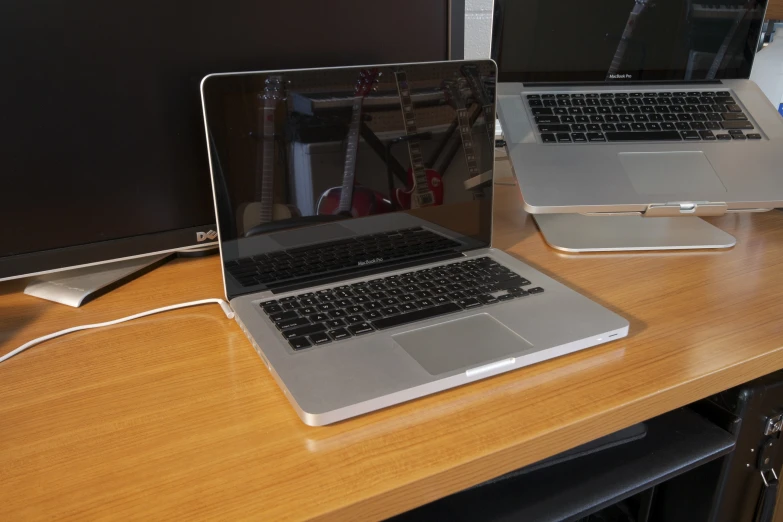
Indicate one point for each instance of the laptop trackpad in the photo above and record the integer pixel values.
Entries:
(461, 344)
(670, 172)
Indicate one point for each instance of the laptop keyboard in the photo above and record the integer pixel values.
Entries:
(344, 255)
(336, 314)
(640, 117)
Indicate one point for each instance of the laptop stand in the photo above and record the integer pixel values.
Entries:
(578, 233)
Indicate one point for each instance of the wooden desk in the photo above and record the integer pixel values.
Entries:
(174, 416)
(775, 10)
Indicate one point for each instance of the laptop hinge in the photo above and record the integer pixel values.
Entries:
(686, 208)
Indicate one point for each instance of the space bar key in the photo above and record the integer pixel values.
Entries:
(644, 136)
(418, 315)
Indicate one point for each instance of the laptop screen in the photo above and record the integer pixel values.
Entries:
(328, 174)
(626, 40)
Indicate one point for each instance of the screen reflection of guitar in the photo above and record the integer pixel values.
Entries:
(352, 199)
(456, 98)
(263, 209)
(480, 93)
(630, 25)
(424, 186)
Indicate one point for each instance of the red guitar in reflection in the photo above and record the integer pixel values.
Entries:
(424, 186)
(351, 199)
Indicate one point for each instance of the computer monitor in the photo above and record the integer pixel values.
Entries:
(103, 153)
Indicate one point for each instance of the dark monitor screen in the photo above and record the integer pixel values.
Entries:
(626, 40)
(103, 134)
(385, 165)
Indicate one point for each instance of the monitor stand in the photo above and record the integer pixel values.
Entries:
(81, 285)
(580, 233)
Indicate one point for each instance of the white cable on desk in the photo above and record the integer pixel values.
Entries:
(224, 305)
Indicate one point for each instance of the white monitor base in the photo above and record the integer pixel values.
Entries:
(579, 233)
(79, 286)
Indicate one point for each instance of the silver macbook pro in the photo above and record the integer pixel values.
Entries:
(637, 106)
(355, 225)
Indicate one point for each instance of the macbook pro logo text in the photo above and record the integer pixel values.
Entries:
(203, 236)
(620, 76)
(370, 261)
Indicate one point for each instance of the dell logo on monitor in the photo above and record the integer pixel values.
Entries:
(203, 236)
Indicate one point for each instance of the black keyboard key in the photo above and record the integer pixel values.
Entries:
(335, 323)
(392, 310)
(623, 127)
(487, 299)
(575, 111)
(604, 110)
(608, 127)
(339, 334)
(564, 137)
(547, 119)
(736, 125)
(469, 302)
(292, 323)
(597, 119)
(547, 96)
(667, 125)
(685, 117)
(670, 117)
(731, 107)
(299, 343)
(548, 138)
(653, 127)
(738, 137)
(535, 290)
(372, 314)
(353, 319)
(626, 118)
(644, 136)
(589, 110)
(582, 119)
(533, 96)
(318, 318)
(325, 307)
(304, 330)
(707, 135)
(594, 137)
(697, 125)
(579, 137)
(542, 111)
(361, 329)
(550, 103)
(683, 126)
(723, 137)
(593, 127)
(690, 135)
(567, 119)
(734, 116)
(610, 118)
(320, 338)
(638, 127)
(535, 103)
(633, 110)
(336, 314)
(418, 315)
(753, 136)
(271, 308)
(655, 117)
(578, 127)
(284, 316)
(711, 125)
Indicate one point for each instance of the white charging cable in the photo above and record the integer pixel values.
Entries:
(224, 305)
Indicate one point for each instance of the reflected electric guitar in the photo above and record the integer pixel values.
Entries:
(456, 98)
(617, 61)
(263, 209)
(482, 96)
(424, 186)
(351, 199)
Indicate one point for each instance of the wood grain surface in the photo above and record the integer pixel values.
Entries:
(174, 416)
(775, 10)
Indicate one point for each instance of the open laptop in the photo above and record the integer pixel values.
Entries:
(362, 276)
(637, 106)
